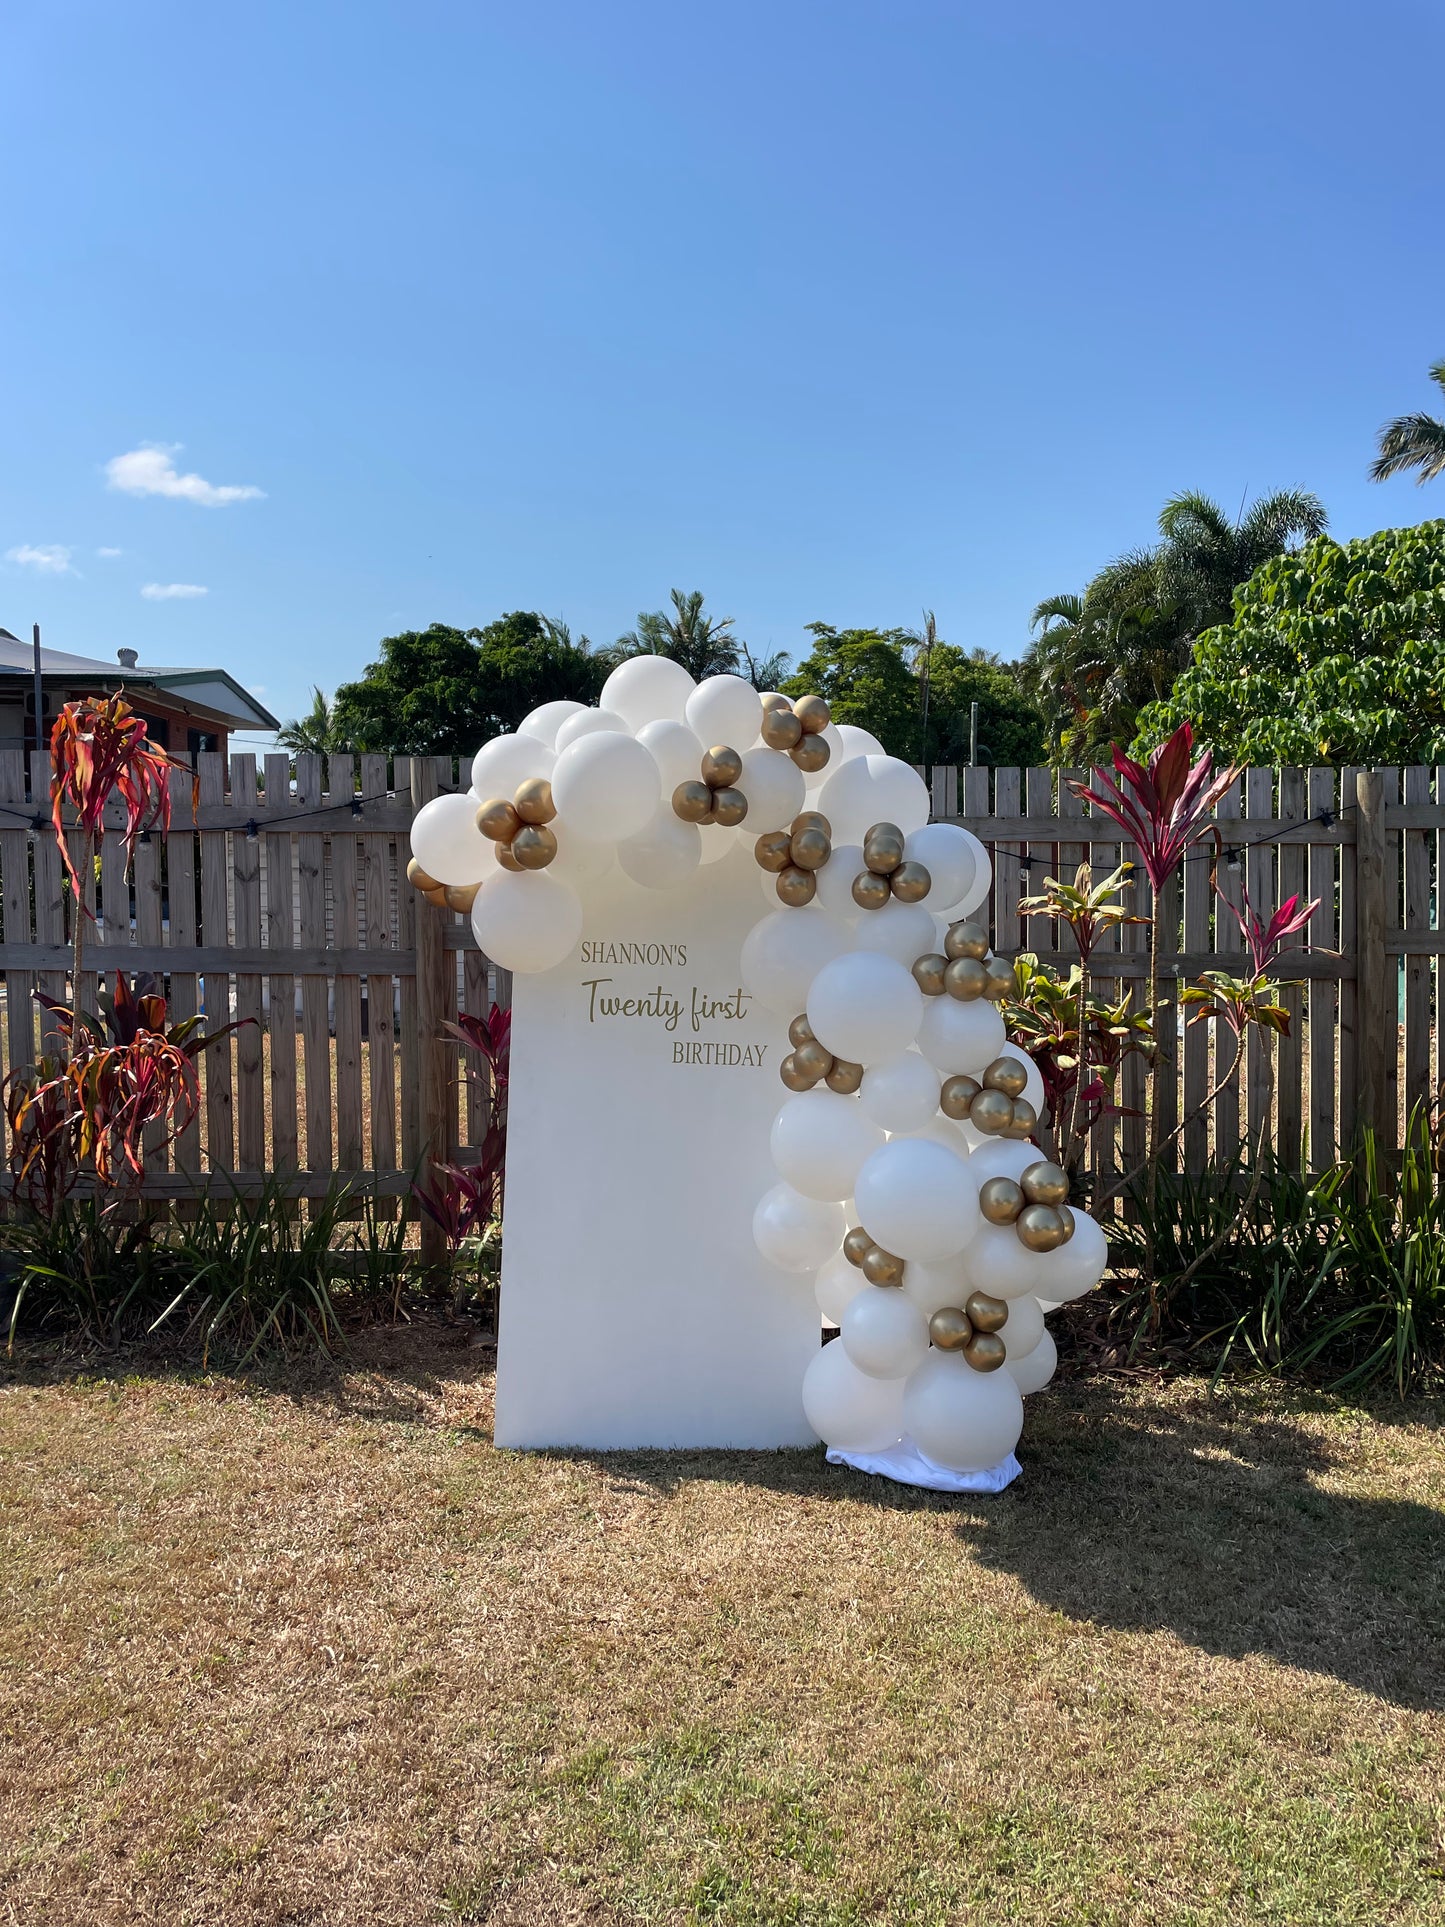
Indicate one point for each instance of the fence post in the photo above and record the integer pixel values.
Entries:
(431, 962)
(1375, 992)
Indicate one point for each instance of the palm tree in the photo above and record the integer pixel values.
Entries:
(1413, 441)
(1204, 557)
(766, 672)
(314, 734)
(700, 642)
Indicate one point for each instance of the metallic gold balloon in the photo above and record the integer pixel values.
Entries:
(965, 979)
(505, 859)
(437, 897)
(532, 800)
(985, 1313)
(856, 1245)
(1068, 1217)
(985, 1352)
(910, 883)
(882, 829)
(1006, 1074)
(871, 892)
(991, 1112)
(813, 1059)
(883, 854)
(800, 1031)
(957, 1095)
(812, 820)
(966, 939)
(1041, 1228)
(781, 729)
(928, 974)
(534, 846)
(1046, 1183)
(811, 849)
(796, 887)
(949, 1329)
(721, 767)
(1000, 980)
(844, 1077)
(498, 819)
(692, 802)
(461, 896)
(794, 1076)
(813, 713)
(773, 700)
(1000, 1200)
(773, 850)
(811, 754)
(420, 879)
(1025, 1119)
(729, 807)
(880, 1267)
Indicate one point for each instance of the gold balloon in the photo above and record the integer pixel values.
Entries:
(991, 1112)
(928, 974)
(437, 896)
(498, 819)
(800, 1031)
(986, 1314)
(771, 699)
(796, 887)
(813, 713)
(1068, 1217)
(1000, 980)
(505, 859)
(880, 1267)
(794, 1076)
(813, 1059)
(773, 850)
(1041, 1228)
(985, 1352)
(810, 849)
(957, 1095)
(844, 1077)
(949, 1329)
(461, 896)
(856, 1245)
(721, 767)
(910, 883)
(966, 939)
(882, 829)
(811, 754)
(781, 729)
(729, 807)
(1000, 1200)
(871, 892)
(883, 854)
(692, 802)
(532, 800)
(1045, 1183)
(812, 820)
(534, 846)
(965, 979)
(1025, 1119)
(1006, 1074)
(419, 879)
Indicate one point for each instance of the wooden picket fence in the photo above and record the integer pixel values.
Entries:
(281, 897)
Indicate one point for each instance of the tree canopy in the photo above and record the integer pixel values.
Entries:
(1334, 655)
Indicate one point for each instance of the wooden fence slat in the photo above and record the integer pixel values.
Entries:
(1324, 997)
(149, 929)
(250, 1039)
(1039, 932)
(380, 989)
(1259, 880)
(1008, 877)
(1290, 1094)
(49, 905)
(183, 929)
(407, 905)
(1374, 990)
(315, 1024)
(1418, 969)
(15, 872)
(1388, 1044)
(428, 1064)
(1104, 859)
(216, 984)
(346, 993)
(281, 987)
(1194, 1045)
(1166, 1018)
(1226, 936)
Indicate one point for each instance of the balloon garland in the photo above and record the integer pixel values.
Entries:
(911, 1192)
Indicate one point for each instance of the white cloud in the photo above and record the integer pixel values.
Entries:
(149, 470)
(110, 554)
(49, 558)
(172, 591)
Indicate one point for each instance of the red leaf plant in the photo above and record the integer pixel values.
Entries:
(1164, 804)
(465, 1199)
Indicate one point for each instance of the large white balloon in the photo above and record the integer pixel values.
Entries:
(1024, 1326)
(719, 842)
(648, 689)
(547, 719)
(852, 1412)
(725, 709)
(446, 842)
(664, 854)
(836, 1284)
(591, 722)
(873, 789)
(1003, 1157)
(900, 930)
(1075, 1268)
(884, 1332)
(676, 751)
(796, 1233)
(931, 1287)
(774, 787)
(853, 741)
(819, 1142)
(960, 1037)
(946, 1131)
(917, 1199)
(527, 922)
(784, 953)
(835, 881)
(606, 787)
(1032, 1372)
(998, 1262)
(578, 862)
(901, 1093)
(864, 1006)
(977, 891)
(501, 764)
(964, 1420)
(946, 852)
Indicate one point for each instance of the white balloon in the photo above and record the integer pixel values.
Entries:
(901, 1093)
(873, 789)
(544, 721)
(960, 1037)
(446, 842)
(931, 1287)
(1023, 1328)
(948, 1132)
(917, 1199)
(647, 689)
(718, 842)
(977, 891)
(591, 722)
(783, 954)
(664, 854)
(998, 1262)
(884, 1332)
(527, 922)
(725, 709)
(606, 787)
(819, 1142)
(676, 751)
(864, 1006)
(852, 1412)
(946, 852)
(1003, 1157)
(853, 741)
(774, 787)
(501, 764)
(1032, 1372)
(835, 881)
(1034, 1087)
(796, 1233)
(1075, 1268)
(578, 862)
(964, 1420)
(901, 930)
(836, 1284)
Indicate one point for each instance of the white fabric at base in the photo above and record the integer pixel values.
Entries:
(906, 1465)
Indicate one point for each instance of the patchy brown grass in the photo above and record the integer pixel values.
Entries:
(313, 1652)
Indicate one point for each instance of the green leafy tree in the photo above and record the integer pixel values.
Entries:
(1334, 655)
(865, 678)
(1413, 442)
(1010, 723)
(315, 733)
(703, 644)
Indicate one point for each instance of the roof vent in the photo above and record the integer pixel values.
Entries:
(127, 658)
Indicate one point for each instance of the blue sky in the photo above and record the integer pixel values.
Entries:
(832, 310)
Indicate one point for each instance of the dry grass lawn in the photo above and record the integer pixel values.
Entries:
(314, 1653)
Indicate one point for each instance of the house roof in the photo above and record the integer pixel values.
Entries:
(213, 689)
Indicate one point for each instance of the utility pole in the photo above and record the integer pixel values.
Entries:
(39, 696)
(973, 735)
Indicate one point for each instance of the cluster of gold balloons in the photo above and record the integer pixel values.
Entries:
(972, 1328)
(965, 970)
(441, 896)
(1037, 1206)
(886, 873)
(996, 1105)
(716, 798)
(808, 1063)
(797, 728)
(878, 1266)
(795, 856)
(518, 826)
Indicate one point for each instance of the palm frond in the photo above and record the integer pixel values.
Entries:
(1192, 516)
(1411, 442)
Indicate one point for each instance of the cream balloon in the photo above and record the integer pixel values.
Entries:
(900, 1093)
(448, 845)
(884, 1332)
(664, 854)
(873, 789)
(819, 1142)
(1023, 1328)
(963, 1420)
(1075, 1268)
(527, 922)
(500, 765)
(931, 1287)
(544, 721)
(782, 955)
(852, 1412)
(725, 709)
(774, 787)
(864, 1006)
(836, 1284)
(900, 930)
(853, 741)
(796, 1233)
(606, 787)
(1032, 1372)
(998, 1262)
(977, 891)
(952, 1136)
(676, 751)
(835, 882)
(719, 842)
(918, 1199)
(577, 862)
(1003, 1157)
(946, 852)
(648, 689)
(960, 1037)
(591, 722)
